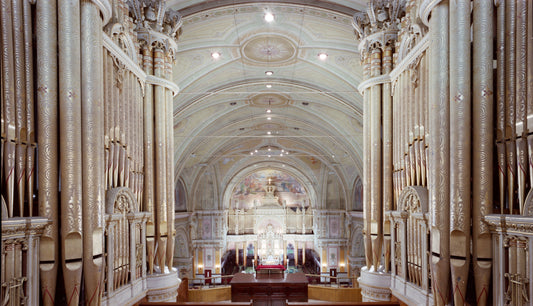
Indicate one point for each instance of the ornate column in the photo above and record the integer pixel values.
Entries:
(150, 16)
(70, 146)
(148, 124)
(439, 148)
(47, 137)
(387, 155)
(367, 208)
(161, 217)
(482, 141)
(376, 223)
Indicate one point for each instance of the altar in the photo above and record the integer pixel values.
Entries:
(270, 269)
(269, 291)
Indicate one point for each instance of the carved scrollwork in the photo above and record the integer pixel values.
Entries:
(414, 199)
(121, 200)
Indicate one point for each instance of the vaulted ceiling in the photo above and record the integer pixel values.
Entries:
(220, 113)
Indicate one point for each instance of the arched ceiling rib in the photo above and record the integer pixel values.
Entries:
(220, 113)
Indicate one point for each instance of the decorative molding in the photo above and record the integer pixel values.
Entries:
(425, 8)
(105, 8)
(410, 57)
(123, 57)
(150, 79)
(375, 286)
(133, 67)
(510, 224)
(163, 287)
(411, 194)
(382, 79)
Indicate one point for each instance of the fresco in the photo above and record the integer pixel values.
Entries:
(257, 181)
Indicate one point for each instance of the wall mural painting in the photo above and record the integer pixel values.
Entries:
(249, 191)
(209, 258)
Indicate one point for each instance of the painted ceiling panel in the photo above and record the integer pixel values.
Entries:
(221, 114)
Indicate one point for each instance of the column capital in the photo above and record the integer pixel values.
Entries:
(379, 25)
(157, 26)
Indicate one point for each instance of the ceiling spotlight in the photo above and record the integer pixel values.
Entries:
(255, 151)
(269, 149)
(322, 56)
(269, 85)
(269, 155)
(269, 118)
(269, 111)
(269, 17)
(280, 154)
(268, 133)
(251, 153)
(269, 73)
(215, 55)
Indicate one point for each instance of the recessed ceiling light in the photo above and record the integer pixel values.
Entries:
(269, 17)
(215, 55)
(269, 118)
(269, 85)
(322, 56)
(269, 73)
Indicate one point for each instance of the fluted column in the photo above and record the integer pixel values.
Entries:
(160, 160)
(376, 225)
(93, 147)
(482, 144)
(367, 208)
(387, 155)
(70, 146)
(47, 137)
(439, 148)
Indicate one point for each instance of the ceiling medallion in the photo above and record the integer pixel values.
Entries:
(269, 49)
(269, 100)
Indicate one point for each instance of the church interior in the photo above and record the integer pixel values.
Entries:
(331, 150)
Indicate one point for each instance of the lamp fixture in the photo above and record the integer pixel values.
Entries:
(269, 118)
(269, 17)
(269, 151)
(323, 56)
(215, 55)
(268, 85)
(269, 73)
